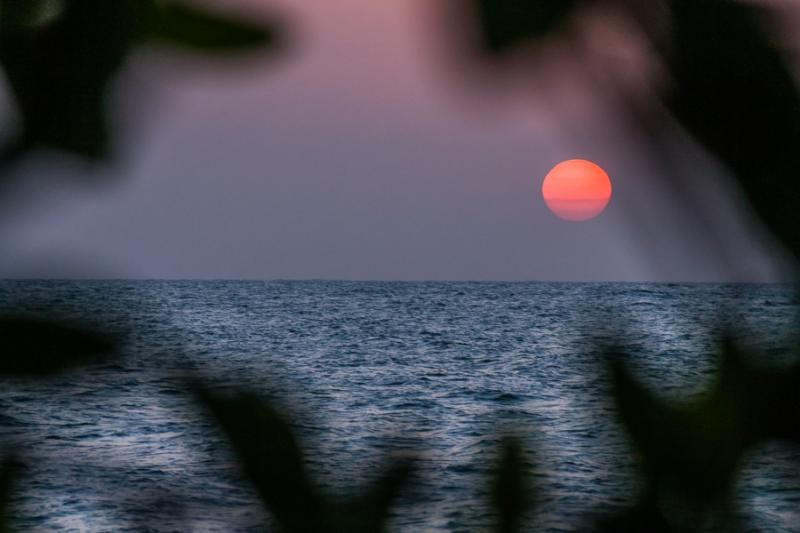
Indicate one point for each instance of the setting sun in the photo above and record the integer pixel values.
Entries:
(576, 190)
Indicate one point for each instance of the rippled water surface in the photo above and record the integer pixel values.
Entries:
(368, 368)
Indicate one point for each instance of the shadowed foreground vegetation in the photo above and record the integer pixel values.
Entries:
(731, 87)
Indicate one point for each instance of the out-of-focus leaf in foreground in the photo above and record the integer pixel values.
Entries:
(644, 516)
(60, 72)
(28, 13)
(505, 24)
(511, 493)
(272, 459)
(691, 452)
(8, 473)
(270, 456)
(37, 347)
(734, 91)
(186, 26)
(368, 512)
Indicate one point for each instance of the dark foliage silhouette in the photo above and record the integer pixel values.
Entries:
(9, 470)
(273, 461)
(512, 494)
(507, 24)
(60, 67)
(38, 347)
(733, 90)
(691, 452)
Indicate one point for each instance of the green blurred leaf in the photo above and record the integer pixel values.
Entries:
(184, 25)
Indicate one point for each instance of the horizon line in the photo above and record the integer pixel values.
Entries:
(409, 281)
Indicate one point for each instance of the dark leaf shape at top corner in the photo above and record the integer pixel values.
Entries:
(183, 25)
(34, 347)
(28, 13)
(735, 93)
(59, 74)
(505, 24)
(270, 456)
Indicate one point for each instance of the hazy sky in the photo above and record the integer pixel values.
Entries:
(363, 154)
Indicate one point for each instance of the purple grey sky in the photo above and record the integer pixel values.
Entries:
(364, 155)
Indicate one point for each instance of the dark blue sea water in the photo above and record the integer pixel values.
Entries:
(368, 368)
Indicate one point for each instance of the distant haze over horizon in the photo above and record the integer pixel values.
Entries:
(362, 155)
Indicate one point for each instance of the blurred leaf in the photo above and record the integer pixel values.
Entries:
(270, 456)
(8, 474)
(769, 397)
(60, 73)
(505, 24)
(735, 92)
(691, 450)
(369, 512)
(273, 461)
(644, 516)
(28, 13)
(511, 494)
(184, 25)
(32, 347)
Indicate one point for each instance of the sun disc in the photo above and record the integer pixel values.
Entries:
(576, 190)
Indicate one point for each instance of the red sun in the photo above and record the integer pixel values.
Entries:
(576, 190)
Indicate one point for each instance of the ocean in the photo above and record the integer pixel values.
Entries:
(367, 369)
